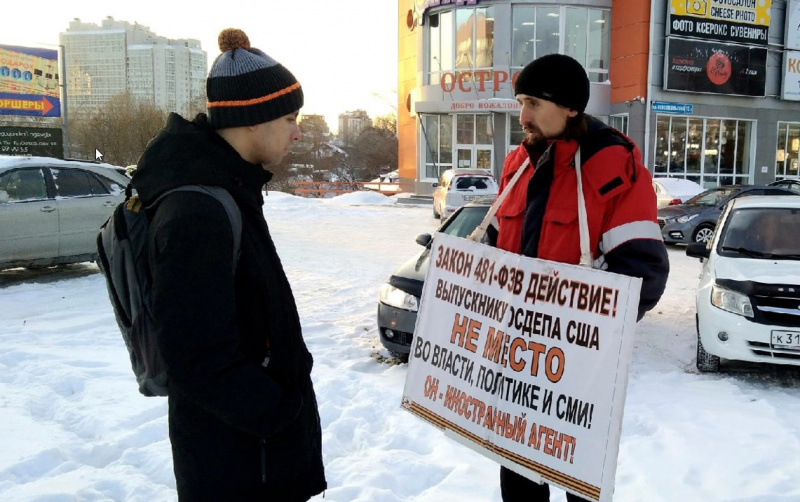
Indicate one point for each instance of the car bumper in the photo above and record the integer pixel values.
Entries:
(746, 340)
(677, 233)
(398, 323)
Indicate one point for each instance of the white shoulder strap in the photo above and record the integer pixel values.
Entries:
(480, 230)
(583, 223)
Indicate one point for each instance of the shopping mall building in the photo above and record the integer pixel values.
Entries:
(709, 89)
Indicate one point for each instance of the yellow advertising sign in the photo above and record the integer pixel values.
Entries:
(730, 21)
(755, 12)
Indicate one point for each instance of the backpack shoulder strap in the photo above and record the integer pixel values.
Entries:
(226, 199)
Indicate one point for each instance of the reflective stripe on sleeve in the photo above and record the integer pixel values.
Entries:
(630, 231)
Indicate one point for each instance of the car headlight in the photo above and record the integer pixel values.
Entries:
(398, 298)
(686, 217)
(731, 301)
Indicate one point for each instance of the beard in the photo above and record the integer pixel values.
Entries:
(534, 135)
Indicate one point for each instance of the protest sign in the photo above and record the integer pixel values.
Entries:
(525, 361)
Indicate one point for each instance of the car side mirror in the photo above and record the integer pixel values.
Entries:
(434, 185)
(3, 197)
(424, 239)
(698, 250)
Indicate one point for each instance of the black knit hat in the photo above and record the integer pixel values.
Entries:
(557, 78)
(246, 87)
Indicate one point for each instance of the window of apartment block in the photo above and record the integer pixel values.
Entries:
(583, 33)
(459, 39)
(708, 151)
(787, 155)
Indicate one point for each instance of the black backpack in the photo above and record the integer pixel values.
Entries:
(122, 258)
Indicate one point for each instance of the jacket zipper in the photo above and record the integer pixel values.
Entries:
(264, 461)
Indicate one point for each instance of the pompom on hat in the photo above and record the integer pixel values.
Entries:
(557, 78)
(246, 87)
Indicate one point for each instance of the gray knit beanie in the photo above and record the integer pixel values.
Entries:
(246, 87)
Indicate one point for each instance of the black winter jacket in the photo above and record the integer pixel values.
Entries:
(239, 430)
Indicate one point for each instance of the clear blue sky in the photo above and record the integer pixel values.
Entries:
(344, 53)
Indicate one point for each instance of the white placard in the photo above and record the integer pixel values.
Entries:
(525, 361)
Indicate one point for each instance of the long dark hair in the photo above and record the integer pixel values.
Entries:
(577, 127)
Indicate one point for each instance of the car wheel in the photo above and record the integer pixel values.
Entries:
(706, 363)
(703, 233)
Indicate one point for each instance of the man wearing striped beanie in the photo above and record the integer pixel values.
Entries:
(248, 89)
(243, 419)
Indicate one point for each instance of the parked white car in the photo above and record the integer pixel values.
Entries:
(748, 300)
(673, 191)
(459, 186)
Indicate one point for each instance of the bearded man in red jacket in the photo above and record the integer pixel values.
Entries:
(540, 215)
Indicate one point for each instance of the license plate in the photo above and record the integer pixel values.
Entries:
(471, 197)
(786, 340)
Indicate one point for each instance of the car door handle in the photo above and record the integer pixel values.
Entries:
(109, 203)
(47, 209)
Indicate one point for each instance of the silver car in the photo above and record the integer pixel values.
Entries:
(459, 186)
(52, 209)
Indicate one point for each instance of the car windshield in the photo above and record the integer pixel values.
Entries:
(770, 233)
(711, 197)
(462, 224)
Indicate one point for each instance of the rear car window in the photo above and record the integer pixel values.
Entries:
(472, 182)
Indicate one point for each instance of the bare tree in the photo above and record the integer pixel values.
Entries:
(386, 122)
(315, 149)
(120, 129)
(374, 151)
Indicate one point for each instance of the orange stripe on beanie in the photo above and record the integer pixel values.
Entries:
(256, 101)
(247, 87)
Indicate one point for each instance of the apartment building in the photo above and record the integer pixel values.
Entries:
(115, 57)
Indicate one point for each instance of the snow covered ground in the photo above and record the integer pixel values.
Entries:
(73, 426)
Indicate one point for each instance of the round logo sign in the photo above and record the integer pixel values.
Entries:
(718, 68)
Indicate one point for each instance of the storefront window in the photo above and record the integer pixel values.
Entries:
(694, 146)
(515, 133)
(474, 142)
(523, 35)
(483, 129)
(548, 32)
(786, 160)
(742, 150)
(711, 147)
(438, 135)
(711, 152)
(576, 33)
(466, 44)
(465, 125)
(465, 58)
(598, 47)
(441, 48)
(619, 122)
(677, 146)
(582, 33)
